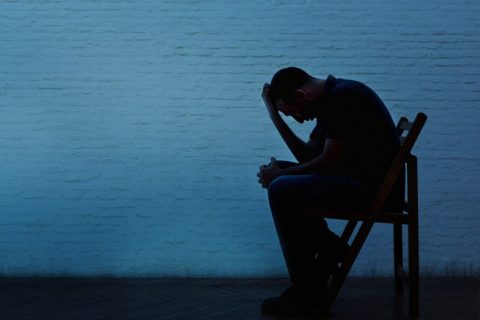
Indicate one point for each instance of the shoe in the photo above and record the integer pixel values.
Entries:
(292, 304)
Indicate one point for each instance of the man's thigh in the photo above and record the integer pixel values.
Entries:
(323, 191)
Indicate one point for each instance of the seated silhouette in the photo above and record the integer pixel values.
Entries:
(341, 166)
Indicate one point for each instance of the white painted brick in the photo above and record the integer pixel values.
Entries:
(131, 132)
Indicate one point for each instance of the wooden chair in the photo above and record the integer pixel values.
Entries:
(408, 215)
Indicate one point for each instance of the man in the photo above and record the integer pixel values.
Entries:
(341, 166)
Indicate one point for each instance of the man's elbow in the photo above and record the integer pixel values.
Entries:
(307, 155)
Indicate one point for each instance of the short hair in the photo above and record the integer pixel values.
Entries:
(286, 81)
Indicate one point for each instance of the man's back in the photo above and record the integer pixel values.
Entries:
(351, 111)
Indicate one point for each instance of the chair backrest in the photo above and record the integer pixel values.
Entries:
(413, 130)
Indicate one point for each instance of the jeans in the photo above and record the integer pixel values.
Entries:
(302, 239)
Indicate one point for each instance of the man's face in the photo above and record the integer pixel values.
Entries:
(301, 109)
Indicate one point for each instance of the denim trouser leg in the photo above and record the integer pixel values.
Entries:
(300, 237)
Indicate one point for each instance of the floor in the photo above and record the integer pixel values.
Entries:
(145, 299)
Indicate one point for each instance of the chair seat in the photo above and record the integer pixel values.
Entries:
(359, 215)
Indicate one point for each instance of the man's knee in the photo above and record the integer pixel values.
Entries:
(279, 188)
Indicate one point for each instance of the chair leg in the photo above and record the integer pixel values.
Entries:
(349, 228)
(413, 254)
(398, 257)
(413, 266)
(341, 274)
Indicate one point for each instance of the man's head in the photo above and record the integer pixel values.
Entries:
(292, 91)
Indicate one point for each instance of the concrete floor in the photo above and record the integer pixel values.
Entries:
(87, 299)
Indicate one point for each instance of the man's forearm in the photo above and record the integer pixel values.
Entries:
(297, 146)
(313, 166)
(325, 162)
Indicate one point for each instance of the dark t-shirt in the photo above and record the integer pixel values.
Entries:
(351, 111)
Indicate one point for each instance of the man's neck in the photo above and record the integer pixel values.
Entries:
(318, 89)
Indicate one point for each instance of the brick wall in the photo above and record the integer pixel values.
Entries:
(131, 131)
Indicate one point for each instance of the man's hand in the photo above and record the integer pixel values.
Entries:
(269, 172)
(272, 109)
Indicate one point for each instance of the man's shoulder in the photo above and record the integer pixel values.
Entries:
(348, 87)
(353, 93)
